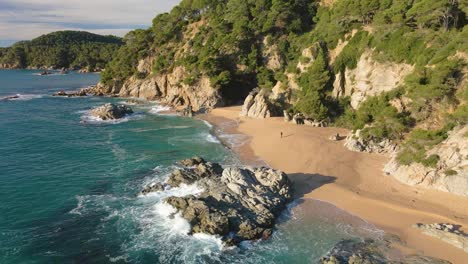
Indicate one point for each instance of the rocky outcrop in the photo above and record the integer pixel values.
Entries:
(236, 203)
(111, 111)
(451, 172)
(370, 251)
(355, 142)
(79, 93)
(369, 78)
(448, 233)
(169, 89)
(301, 119)
(351, 251)
(258, 104)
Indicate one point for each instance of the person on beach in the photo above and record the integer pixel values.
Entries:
(281, 134)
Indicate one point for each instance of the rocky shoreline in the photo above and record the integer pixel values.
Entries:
(236, 204)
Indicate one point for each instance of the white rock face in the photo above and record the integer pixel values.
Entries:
(258, 104)
(451, 173)
(370, 78)
(145, 65)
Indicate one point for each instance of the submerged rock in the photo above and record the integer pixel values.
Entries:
(111, 111)
(370, 251)
(157, 187)
(9, 97)
(352, 251)
(236, 203)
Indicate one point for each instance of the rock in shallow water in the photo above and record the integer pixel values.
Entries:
(111, 111)
(370, 251)
(236, 203)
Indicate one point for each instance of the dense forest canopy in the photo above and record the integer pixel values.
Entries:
(69, 49)
(230, 41)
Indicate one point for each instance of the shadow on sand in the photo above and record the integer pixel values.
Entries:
(305, 183)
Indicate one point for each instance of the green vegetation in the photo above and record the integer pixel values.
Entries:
(419, 141)
(67, 49)
(387, 122)
(313, 82)
(231, 42)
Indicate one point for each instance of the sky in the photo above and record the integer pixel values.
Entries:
(27, 19)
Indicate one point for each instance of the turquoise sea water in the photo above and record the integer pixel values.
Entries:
(69, 186)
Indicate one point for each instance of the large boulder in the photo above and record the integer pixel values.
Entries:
(111, 111)
(258, 104)
(236, 203)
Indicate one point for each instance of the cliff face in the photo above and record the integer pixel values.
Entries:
(369, 78)
(8, 66)
(451, 172)
(170, 89)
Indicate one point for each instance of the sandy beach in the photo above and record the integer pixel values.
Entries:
(325, 170)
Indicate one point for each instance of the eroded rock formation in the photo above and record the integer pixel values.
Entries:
(168, 88)
(236, 203)
(451, 172)
(369, 78)
(258, 105)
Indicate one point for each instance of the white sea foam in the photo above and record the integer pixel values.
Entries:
(234, 140)
(211, 138)
(90, 119)
(208, 124)
(157, 109)
(79, 207)
(141, 130)
(181, 191)
(123, 258)
(25, 97)
(174, 222)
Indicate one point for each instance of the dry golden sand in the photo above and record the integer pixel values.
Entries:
(325, 170)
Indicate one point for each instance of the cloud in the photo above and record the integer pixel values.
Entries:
(27, 19)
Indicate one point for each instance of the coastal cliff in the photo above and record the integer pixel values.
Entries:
(391, 73)
(168, 88)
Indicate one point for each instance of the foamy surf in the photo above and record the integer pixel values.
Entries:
(87, 118)
(158, 109)
(22, 97)
(208, 124)
(211, 138)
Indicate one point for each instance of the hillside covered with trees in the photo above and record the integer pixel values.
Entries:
(69, 49)
(244, 44)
